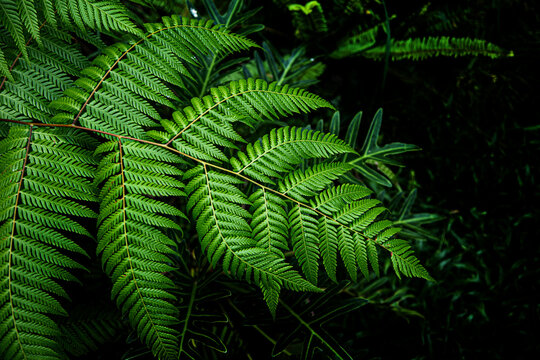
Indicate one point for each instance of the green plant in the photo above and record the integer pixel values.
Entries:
(143, 150)
(363, 28)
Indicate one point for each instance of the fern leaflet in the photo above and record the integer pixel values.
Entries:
(134, 251)
(419, 49)
(38, 210)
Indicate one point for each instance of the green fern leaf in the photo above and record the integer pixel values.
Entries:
(32, 229)
(200, 130)
(301, 184)
(283, 148)
(226, 235)
(419, 49)
(269, 221)
(135, 253)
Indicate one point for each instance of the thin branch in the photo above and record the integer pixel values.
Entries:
(205, 164)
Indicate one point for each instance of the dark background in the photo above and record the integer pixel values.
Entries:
(477, 121)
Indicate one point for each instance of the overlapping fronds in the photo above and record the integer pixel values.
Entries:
(321, 219)
(419, 49)
(199, 130)
(292, 212)
(282, 149)
(119, 91)
(44, 182)
(135, 252)
(41, 77)
(23, 19)
(225, 234)
(282, 195)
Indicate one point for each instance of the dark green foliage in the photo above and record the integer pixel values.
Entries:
(310, 317)
(135, 252)
(38, 185)
(199, 316)
(54, 172)
(138, 141)
(87, 331)
(419, 49)
(294, 69)
(24, 17)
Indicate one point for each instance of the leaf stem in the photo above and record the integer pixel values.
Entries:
(205, 164)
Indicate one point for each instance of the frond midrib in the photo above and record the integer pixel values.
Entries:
(124, 215)
(12, 240)
(148, 36)
(277, 146)
(226, 99)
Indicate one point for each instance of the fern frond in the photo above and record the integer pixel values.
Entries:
(118, 92)
(135, 252)
(269, 223)
(11, 20)
(225, 234)
(41, 78)
(109, 15)
(419, 49)
(324, 220)
(283, 148)
(38, 211)
(301, 184)
(198, 130)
